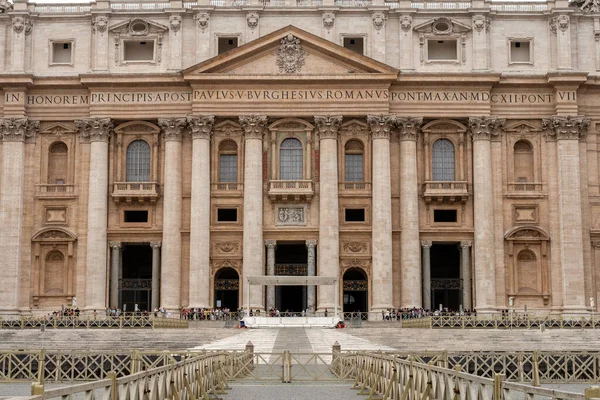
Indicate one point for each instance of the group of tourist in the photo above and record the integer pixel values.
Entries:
(409, 313)
(205, 314)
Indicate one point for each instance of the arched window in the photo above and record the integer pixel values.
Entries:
(290, 161)
(354, 161)
(54, 272)
(523, 161)
(138, 161)
(442, 160)
(58, 163)
(228, 161)
(527, 272)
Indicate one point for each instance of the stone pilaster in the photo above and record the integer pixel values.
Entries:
(406, 42)
(426, 246)
(175, 41)
(482, 130)
(329, 224)
(100, 42)
(560, 25)
(481, 27)
(311, 271)
(13, 134)
(382, 283)
(408, 129)
(97, 132)
(21, 28)
(199, 279)
(378, 29)
(202, 22)
(253, 246)
(465, 273)
(155, 303)
(115, 261)
(271, 244)
(170, 282)
(568, 131)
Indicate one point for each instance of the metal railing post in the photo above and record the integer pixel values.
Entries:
(498, 379)
(536, 369)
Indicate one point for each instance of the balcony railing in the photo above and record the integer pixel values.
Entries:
(135, 191)
(227, 186)
(446, 191)
(61, 191)
(355, 186)
(525, 189)
(291, 190)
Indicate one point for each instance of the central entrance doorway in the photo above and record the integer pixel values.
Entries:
(446, 285)
(135, 286)
(291, 259)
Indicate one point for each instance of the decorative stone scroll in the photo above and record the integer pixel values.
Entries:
(409, 127)
(328, 125)
(355, 247)
(291, 215)
(175, 23)
(21, 24)
(18, 129)
(202, 20)
(94, 129)
(566, 128)
(480, 22)
(99, 24)
(587, 6)
(253, 125)
(252, 19)
(201, 126)
(485, 128)
(172, 127)
(328, 20)
(379, 19)
(559, 22)
(381, 125)
(406, 22)
(290, 55)
(227, 247)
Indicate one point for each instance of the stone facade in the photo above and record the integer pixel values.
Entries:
(453, 161)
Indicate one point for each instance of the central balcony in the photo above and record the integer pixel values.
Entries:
(291, 190)
(449, 191)
(55, 191)
(140, 192)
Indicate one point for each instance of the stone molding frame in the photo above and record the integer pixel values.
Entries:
(125, 30)
(442, 28)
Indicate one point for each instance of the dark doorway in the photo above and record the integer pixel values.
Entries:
(227, 289)
(291, 259)
(446, 287)
(356, 291)
(136, 283)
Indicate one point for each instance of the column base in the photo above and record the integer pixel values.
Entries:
(487, 311)
(576, 312)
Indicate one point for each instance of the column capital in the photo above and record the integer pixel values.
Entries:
(253, 126)
(311, 243)
(271, 244)
(155, 245)
(172, 127)
(426, 244)
(18, 129)
(328, 125)
(94, 129)
(465, 244)
(566, 128)
(381, 125)
(201, 126)
(485, 128)
(115, 245)
(409, 127)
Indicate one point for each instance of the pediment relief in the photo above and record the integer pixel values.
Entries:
(354, 127)
(444, 126)
(291, 124)
(523, 128)
(527, 233)
(442, 26)
(53, 234)
(137, 127)
(137, 27)
(228, 128)
(57, 129)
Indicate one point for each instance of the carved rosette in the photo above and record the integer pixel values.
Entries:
(409, 127)
(290, 55)
(253, 125)
(379, 19)
(175, 23)
(485, 128)
(328, 125)
(202, 20)
(172, 127)
(99, 24)
(328, 20)
(93, 129)
(201, 127)
(21, 24)
(381, 125)
(406, 22)
(566, 128)
(18, 129)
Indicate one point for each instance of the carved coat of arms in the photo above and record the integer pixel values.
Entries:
(290, 55)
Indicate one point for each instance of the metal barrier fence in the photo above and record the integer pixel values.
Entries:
(502, 322)
(90, 322)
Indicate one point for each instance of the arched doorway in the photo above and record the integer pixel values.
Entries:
(356, 291)
(227, 285)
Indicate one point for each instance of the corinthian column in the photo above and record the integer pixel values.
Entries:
(329, 224)
(465, 273)
(115, 261)
(199, 280)
(408, 128)
(13, 133)
(568, 131)
(253, 262)
(97, 131)
(271, 244)
(170, 279)
(482, 129)
(382, 284)
(311, 271)
(426, 245)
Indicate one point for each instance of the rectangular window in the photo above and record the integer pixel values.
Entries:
(355, 44)
(228, 168)
(226, 44)
(354, 215)
(520, 51)
(62, 52)
(444, 216)
(134, 50)
(135, 216)
(442, 50)
(227, 215)
(354, 168)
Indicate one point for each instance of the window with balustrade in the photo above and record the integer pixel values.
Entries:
(442, 160)
(354, 161)
(523, 161)
(228, 161)
(290, 160)
(138, 161)
(58, 163)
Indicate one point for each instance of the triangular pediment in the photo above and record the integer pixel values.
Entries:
(57, 128)
(442, 26)
(523, 127)
(138, 27)
(290, 52)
